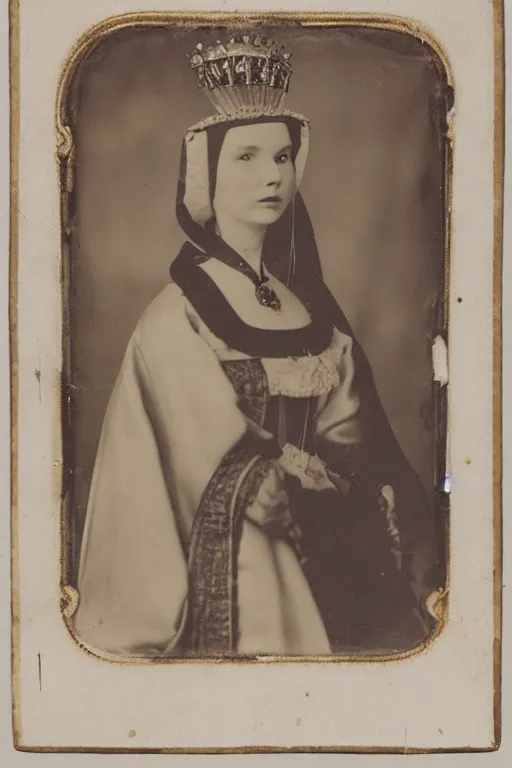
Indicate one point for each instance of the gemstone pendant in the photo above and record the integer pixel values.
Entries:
(267, 297)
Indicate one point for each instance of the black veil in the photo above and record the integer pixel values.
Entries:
(290, 253)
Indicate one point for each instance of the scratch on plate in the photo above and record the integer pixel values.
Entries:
(440, 361)
(37, 374)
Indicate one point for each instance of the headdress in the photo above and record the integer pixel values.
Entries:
(246, 78)
(244, 75)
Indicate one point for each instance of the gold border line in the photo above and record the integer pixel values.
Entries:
(65, 158)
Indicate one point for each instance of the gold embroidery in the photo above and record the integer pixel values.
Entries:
(212, 626)
(249, 381)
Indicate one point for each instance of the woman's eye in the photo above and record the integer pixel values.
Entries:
(283, 158)
(246, 156)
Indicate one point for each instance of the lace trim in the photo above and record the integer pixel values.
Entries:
(302, 376)
(309, 469)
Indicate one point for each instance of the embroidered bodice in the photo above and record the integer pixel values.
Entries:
(281, 395)
(311, 388)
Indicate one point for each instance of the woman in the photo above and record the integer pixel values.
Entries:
(249, 496)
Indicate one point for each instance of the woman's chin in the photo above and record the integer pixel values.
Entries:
(267, 215)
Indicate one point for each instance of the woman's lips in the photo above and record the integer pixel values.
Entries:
(272, 200)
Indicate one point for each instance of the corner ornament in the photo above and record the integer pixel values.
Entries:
(68, 602)
(64, 141)
(66, 154)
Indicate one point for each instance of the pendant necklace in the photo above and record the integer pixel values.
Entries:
(265, 295)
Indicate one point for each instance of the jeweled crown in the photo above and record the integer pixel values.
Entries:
(246, 73)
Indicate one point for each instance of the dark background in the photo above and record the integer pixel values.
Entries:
(373, 186)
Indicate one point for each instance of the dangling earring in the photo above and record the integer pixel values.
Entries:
(291, 258)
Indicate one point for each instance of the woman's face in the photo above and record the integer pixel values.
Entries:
(255, 174)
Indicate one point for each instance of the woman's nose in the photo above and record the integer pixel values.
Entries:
(272, 173)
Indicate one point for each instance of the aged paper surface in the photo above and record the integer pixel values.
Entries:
(340, 705)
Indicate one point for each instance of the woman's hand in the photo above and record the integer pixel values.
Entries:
(270, 510)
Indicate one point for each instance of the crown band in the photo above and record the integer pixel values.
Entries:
(248, 114)
(243, 73)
